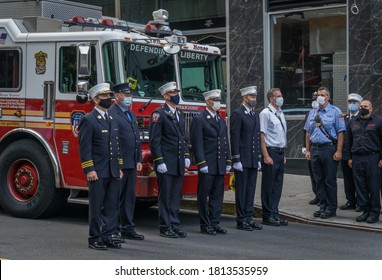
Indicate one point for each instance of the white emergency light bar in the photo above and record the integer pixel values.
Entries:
(178, 40)
(160, 15)
(158, 27)
(103, 23)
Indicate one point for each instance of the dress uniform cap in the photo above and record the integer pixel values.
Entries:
(171, 86)
(252, 90)
(212, 94)
(99, 89)
(122, 88)
(355, 97)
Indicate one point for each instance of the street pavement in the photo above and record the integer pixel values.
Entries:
(294, 205)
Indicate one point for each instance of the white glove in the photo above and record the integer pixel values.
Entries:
(259, 165)
(228, 168)
(187, 162)
(303, 151)
(238, 166)
(162, 168)
(204, 169)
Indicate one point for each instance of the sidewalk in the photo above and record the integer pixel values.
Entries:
(294, 206)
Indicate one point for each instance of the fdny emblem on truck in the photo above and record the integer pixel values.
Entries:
(75, 118)
(40, 62)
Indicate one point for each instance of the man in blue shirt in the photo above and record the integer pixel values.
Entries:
(325, 128)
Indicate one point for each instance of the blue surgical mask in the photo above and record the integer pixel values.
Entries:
(279, 101)
(175, 99)
(353, 107)
(127, 101)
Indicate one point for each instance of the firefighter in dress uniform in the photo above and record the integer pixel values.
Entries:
(131, 151)
(209, 138)
(245, 148)
(170, 156)
(100, 159)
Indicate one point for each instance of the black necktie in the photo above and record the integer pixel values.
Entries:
(128, 115)
(217, 118)
(106, 118)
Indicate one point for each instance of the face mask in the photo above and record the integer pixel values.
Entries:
(321, 100)
(127, 101)
(105, 103)
(279, 101)
(363, 111)
(353, 107)
(216, 106)
(252, 103)
(315, 104)
(175, 99)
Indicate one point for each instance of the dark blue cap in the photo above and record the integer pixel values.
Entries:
(122, 88)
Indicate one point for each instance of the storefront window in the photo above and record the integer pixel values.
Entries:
(308, 51)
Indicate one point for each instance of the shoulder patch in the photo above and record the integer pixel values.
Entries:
(155, 116)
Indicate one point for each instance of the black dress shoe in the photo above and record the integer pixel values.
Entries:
(220, 230)
(132, 234)
(112, 244)
(255, 225)
(98, 245)
(181, 234)
(208, 230)
(244, 226)
(283, 222)
(117, 238)
(327, 215)
(314, 201)
(271, 222)
(363, 217)
(318, 213)
(348, 206)
(168, 233)
(359, 209)
(372, 219)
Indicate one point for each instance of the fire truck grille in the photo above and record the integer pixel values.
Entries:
(188, 117)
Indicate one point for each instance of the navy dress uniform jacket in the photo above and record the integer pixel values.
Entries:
(131, 148)
(209, 140)
(245, 137)
(100, 152)
(167, 140)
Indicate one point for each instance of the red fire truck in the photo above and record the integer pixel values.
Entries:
(44, 79)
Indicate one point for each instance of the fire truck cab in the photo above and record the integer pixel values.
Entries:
(46, 69)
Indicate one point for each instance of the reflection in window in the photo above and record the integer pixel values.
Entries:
(9, 69)
(309, 51)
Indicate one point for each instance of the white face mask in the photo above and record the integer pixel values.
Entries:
(279, 101)
(321, 100)
(216, 106)
(315, 104)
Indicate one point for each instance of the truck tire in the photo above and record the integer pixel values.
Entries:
(27, 183)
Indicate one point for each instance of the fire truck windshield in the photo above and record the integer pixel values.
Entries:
(200, 72)
(147, 67)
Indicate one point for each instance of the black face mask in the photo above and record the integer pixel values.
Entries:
(105, 103)
(363, 111)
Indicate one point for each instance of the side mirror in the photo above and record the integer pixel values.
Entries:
(83, 60)
(171, 48)
(82, 91)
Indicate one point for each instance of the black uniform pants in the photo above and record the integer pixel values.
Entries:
(103, 208)
(349, 185)
(169, 196)
(325, 175)
(312, 181)
(245, 187)
(210, 199)
(367, 179)
(271, 183)
(127, 200)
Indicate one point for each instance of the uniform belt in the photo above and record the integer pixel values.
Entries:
(366, 153)
(277, 149)
(318, 145)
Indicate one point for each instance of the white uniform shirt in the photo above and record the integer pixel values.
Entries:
(274, 129)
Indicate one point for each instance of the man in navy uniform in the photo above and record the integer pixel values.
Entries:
(245, 148)
(170, 156)
(273, 143)
(325, 128)
(209, 138)
(354, 100)
(363, 145)
(131, 151)
(100, 159)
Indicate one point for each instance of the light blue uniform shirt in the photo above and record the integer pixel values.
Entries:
(274, 128)
(332, 120)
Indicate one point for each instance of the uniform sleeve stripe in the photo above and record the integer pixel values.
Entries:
(87, 163)
(157, 159)
(201, 162)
